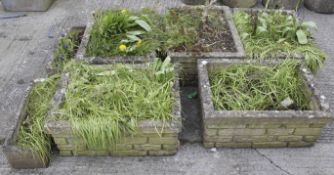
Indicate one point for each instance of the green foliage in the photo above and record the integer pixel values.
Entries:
(122, 32)
(31, 134)
(265, 34)
(105, 103)
(65, 49)
(254, 87)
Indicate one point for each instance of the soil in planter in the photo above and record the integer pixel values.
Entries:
(257, 87)
(190, 30)
(105, 103)
(266, 34)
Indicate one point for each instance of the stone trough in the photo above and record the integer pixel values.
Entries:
(19, 157)
(188, 60)
(260, 129)
(149, 139)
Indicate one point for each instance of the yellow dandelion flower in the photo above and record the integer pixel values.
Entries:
(122, 47)
(124, 11)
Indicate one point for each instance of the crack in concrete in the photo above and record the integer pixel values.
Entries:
(272, 162)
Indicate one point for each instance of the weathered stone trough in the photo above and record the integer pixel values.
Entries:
(246, 129)
(149, 139)
(18, 157)
(27, 5)
(82, 54)
(188, 60)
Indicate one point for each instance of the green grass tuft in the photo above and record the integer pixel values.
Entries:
(256, 87)
(31, 134)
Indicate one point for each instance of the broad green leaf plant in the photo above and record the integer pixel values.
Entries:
(123, 32)
(269, 33)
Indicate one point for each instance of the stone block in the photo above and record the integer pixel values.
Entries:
(217, 138)
(237, 132)
(308, 131)
(163, 140)
(280, 131)
(234, 145)
(291, 138)
(162, 152)
(269, 144)
(310, 138)
(300, 144)
(147, 147)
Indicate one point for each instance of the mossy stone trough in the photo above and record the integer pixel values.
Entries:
(260, 129)
(147, 141)
(19, 157)
(82, 51)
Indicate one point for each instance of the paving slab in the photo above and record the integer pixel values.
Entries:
(25, 47)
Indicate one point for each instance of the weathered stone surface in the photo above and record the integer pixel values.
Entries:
(234, 145)
(300, 144)
(283, 4)
(290, 138)
(194, 2)
(237, 132)
(269, 144)
(239, 3)
(280, 131)
(308, 131)
(320, 6)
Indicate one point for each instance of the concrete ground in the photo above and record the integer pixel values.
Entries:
(26, 45)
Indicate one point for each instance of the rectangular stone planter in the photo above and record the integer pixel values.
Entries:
(265, 129)
(188, 60)
(18, 157)
(149, 140)
(27, 5)
(81, 54)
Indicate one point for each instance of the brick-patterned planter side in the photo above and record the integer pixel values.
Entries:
(188, 60)
(239, 129)
(18, 157)
(149, 139)
(81, 54)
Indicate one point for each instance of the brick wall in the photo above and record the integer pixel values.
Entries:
(258, 133)
(146, 142)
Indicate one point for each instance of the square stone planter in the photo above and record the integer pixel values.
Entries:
(81, 54)
(146, 142)
(18, 157)
(260, 129)
(27, 5)
(188, 60)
